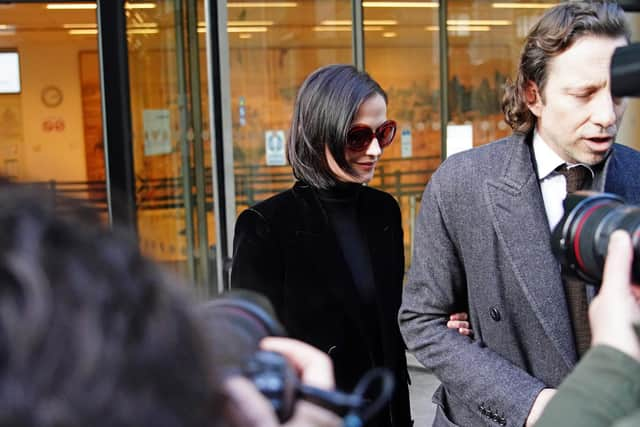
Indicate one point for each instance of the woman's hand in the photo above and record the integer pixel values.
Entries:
(460, 321)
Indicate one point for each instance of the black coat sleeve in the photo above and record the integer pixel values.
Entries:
(257, 258)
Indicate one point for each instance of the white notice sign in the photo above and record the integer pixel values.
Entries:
(274, 148)
(157, 132)
(405, 142)
(459, 138)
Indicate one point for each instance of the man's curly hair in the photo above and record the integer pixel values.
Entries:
(555, 32)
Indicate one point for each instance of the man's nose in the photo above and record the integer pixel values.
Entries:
(604, 112)
(374, 148)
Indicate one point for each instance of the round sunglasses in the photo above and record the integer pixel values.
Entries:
(360, 136)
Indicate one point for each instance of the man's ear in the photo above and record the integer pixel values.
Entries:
(533, 98)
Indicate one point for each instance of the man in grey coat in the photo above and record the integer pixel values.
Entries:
(482, 243)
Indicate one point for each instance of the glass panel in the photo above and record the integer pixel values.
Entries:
(485, 41)
(50, 108)
(401, 53)
(165, 140)
(272, 49)
(630, 128)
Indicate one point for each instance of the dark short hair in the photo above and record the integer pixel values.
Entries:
(326, 105)
(555, 32)
(91, 332)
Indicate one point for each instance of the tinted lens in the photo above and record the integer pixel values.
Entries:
(359, 138)
(385, 133)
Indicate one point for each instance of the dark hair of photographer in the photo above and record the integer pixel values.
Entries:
(92, 333)
(552, 35)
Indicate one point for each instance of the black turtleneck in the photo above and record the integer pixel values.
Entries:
(341, 205)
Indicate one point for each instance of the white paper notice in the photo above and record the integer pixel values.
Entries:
(274, 148)
(459, 138)
(405, 142)
(157, 132)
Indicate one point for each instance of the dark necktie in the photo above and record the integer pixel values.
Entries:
(578, 178)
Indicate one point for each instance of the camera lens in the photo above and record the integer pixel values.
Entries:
(581, 238)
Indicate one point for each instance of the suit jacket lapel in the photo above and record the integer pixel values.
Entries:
(520, 221)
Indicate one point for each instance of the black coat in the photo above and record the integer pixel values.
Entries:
(285, 248)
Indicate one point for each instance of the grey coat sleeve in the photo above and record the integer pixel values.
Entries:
(473, 374)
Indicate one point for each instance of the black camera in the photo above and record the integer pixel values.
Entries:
(625, 71)
(581, 238)
(236, 321)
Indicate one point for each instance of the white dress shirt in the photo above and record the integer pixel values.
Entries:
(553, 185)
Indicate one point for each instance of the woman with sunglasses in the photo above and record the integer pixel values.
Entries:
(328, 253)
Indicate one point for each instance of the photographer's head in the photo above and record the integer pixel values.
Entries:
(563, 84)
(91, 333)
(329, 103)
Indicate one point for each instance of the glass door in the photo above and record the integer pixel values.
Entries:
(273, 46)
(50, 101)
(174, 202)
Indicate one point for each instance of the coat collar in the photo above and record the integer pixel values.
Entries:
(316, 221)
(520, 221)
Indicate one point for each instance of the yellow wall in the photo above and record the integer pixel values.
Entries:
(42, 155)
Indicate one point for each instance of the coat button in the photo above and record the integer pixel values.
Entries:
(495, 314)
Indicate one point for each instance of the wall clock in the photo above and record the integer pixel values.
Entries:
(51, 96)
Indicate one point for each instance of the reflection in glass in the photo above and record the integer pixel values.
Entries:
(271, 51)
(485, 41)
(402, 54)
(168, 134)
(51, 126)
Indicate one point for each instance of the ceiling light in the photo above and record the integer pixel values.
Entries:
(247, 29)
(522, 5)
(245, 36)
(477, 22)
(140, 6)
(335, 22)
(7, 30)
(143, 31)
(327, 28)
(247, 23)
(239, 30)
(263, 4)
(468, 28)
(380, 22)
(70, 6)
(459, 28)
(389, 34)
(366, 22)
(399, 4)
(83, 32)
(67, 26)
